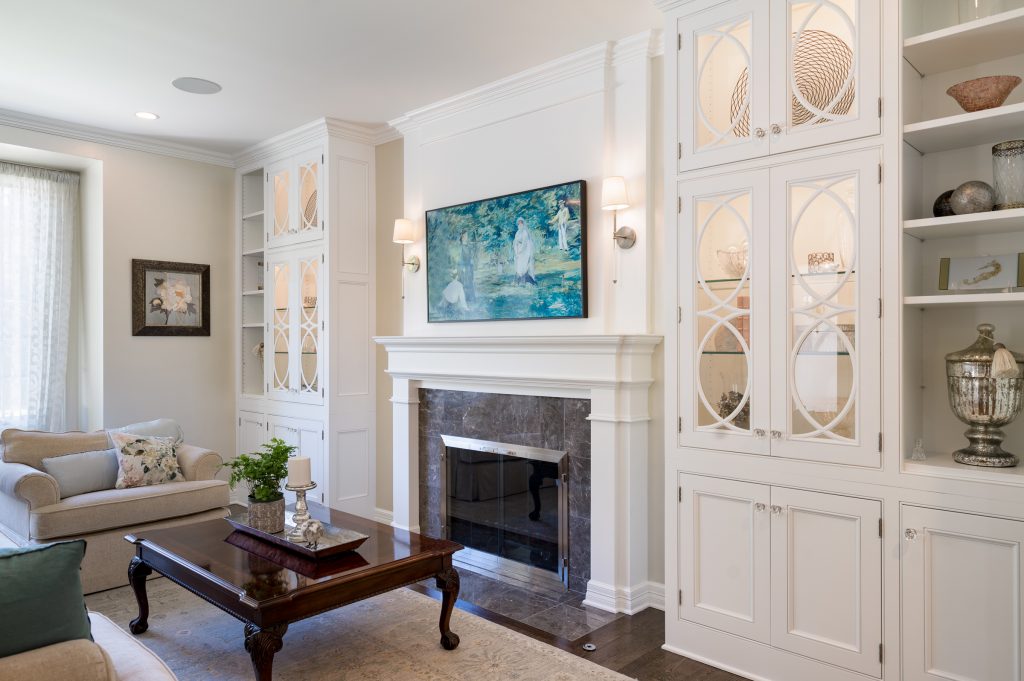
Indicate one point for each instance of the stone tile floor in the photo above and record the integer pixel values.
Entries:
(564, 616)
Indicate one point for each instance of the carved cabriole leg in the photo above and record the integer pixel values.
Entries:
(448, 582)
(137, 573)
(262, 644)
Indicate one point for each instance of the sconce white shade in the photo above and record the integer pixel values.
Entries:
(613, 193)
(404, 232)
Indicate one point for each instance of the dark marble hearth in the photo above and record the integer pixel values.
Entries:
(548, 422)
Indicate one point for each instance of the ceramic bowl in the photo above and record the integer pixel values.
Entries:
(983, 93)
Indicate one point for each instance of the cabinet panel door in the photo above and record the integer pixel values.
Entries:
(722, 89)
(827, 578)
(280, 311)
(826, 331)
(308, 437)
(723, 296)
(825, 65)
(961, 592)
(724, 555)
(309, 218)
(252, 432)
(280, 203)
(309, 327)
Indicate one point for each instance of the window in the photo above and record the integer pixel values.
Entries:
(38, 219)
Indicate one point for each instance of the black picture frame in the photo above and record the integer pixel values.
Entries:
(580, 189)
(141, 304)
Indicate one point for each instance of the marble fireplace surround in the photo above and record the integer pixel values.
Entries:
(613, 372)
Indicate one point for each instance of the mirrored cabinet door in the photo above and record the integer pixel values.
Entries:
(723, 84)
(281, 317)
(723, 304)
(280, 190)
(825, 70)
(309, 218)
(825, 309)
(309, 326)
(294, 201)
(295, 301)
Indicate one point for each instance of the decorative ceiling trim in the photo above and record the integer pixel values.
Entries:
(311, 133)
(669, 5)
(646, 44)
(85, 133)
(583, 61)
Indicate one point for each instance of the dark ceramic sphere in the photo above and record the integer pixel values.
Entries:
(941, 207)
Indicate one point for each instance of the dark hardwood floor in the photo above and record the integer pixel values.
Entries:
(629, 644)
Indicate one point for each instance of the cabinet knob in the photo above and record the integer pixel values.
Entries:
(759, 507)
(910, 534)
(776, 509)
(759, 433)
(776, 434)
(776, 129)
(759, 132)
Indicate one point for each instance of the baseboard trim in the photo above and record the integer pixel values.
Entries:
(382, 515)
(629, 601)
(714, 663)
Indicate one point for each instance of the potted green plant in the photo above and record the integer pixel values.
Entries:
(263, 472)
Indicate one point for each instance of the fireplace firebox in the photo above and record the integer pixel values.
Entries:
(509, 506)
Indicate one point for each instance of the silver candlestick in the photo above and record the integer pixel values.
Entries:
(301, 515)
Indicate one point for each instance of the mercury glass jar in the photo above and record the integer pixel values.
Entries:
(984, 403)
(1008, 170)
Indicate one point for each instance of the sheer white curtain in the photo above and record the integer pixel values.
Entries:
(38, 218)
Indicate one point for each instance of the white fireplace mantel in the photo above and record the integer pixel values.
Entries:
(614, 372)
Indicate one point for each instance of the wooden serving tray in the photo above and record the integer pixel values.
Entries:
(335, 540)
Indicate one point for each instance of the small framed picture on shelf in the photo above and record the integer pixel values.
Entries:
(982, 273)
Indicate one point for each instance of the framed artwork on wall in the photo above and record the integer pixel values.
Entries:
(517, 256)
(985, 273)
(170, 298)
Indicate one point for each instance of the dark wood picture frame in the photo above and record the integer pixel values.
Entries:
(140, 302)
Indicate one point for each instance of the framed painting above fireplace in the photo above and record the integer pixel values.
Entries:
(517, 256)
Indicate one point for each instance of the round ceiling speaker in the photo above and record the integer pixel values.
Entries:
(197, 86)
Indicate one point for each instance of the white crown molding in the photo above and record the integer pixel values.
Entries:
(582, 61)
(669, 5)
(646, 44)
(384, 134)
(311, 133)
(85, 133)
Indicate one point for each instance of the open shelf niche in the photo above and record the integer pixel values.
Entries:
(944, 147)
(251, 283)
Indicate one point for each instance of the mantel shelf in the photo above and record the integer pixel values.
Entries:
(254, 214)
(966, 44)
(941, 465)
(975, 224)
(965, 299)
(967, 129)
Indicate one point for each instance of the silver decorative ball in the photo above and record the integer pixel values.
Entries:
(972, 197)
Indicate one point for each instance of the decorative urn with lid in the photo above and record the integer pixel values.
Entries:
(985, 391)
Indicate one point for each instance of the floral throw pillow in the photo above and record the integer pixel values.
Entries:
(145, 461)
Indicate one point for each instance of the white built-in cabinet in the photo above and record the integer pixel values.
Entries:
(748, 82)
(961, 589)
(778, 355)
(797, 570)
(307, 294)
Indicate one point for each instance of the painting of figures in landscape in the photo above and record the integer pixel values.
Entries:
(519, 256)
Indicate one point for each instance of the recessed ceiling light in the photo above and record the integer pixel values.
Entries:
(197, 86)
(145, 115)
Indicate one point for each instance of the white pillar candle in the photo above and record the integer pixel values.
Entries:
(298, 471)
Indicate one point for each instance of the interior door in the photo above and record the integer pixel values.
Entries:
(961, 589)
(827, 578)
(723, 297)
(825, 300)
(724, 552)
(722, 87)
(825, 66)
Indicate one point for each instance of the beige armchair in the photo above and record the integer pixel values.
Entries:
(32, 511)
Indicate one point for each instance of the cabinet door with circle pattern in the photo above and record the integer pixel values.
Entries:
(723, 84)
(723, 296)
(825, 61)
(825, 335)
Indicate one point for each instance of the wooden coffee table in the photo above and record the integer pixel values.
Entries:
(269, 588)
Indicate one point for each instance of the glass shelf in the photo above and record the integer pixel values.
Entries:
(813, 353)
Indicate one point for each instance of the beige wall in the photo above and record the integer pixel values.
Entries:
(160, 208)
(390, 197)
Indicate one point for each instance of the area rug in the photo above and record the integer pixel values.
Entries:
(390, 637)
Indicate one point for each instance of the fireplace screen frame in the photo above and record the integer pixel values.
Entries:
(492, 563)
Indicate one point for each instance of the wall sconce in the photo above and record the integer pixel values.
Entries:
(405, 234)
(613, 198)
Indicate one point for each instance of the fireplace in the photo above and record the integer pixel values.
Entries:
(508, 505)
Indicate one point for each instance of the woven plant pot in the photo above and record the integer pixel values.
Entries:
(267, 516)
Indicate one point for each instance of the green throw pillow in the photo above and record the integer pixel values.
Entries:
(41, 597)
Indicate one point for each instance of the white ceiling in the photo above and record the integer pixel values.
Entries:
(282, 63)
